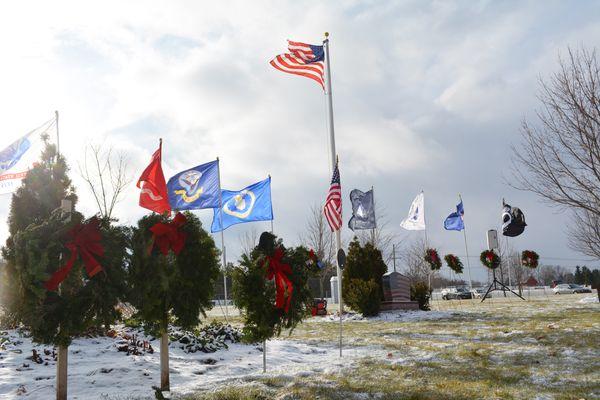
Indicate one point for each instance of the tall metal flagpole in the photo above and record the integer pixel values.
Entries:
(57, 135)
(223, 243)
(426, 241)
(373, 230)
(338, 238)
(466, 248)
(425, 220)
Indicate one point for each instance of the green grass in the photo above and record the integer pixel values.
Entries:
(545, 348)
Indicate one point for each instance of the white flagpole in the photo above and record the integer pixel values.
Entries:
(223, 243)
(338, 238)
(425, 220)
(466, 248)
(426, 241)
(373, 230)
(57, 135)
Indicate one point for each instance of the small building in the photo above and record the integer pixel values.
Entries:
(531, 282)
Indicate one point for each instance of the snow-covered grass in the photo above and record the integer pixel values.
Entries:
(501, 349)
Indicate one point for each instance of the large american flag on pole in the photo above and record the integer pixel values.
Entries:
(333, 204)
(304, 60)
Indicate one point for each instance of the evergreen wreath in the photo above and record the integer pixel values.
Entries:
(55, 317)
(490, 259)
(530, 259)
(454, 263)
(433, 259)
(171, 277)
(256, 296)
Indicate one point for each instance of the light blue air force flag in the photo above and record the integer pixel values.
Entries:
(455, 222)
(249, 204)
(195, 188)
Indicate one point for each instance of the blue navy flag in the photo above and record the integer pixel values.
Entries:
(363, 210)
(252, 203)
(455, 222)
(195, 188)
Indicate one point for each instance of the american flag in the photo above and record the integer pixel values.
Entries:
(304, 60)
(333, 204)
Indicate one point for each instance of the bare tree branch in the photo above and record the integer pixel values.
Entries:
(559, 158)
(318, 237)
(106, 176)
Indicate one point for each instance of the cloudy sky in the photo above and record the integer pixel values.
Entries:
(427, 96)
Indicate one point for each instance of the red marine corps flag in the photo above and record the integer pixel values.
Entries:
(154, 188)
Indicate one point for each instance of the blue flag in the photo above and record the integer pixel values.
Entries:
(249, 204)
(455, 222)
(195, 188)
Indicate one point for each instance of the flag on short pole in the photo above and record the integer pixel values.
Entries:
(454, 221)
(363, 210)
(20, 156)
(333, 203)
(303, 59)
(153, 195)
(195, 188)
(415, 221)
(252, 203)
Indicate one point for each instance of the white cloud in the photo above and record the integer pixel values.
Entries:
(426, 95)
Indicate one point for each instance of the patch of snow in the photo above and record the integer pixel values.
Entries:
(589, 299)
(97, 370)
(392, 316)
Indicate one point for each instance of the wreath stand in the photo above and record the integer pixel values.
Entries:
(504, 288)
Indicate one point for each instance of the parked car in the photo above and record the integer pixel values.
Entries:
(478, 293)
(459, 292)
(569, 288)
(555, 283)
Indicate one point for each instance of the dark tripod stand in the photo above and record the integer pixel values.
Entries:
(494, 286)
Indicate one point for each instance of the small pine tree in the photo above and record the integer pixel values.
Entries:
(41, 192)
(36, 249)
(362, 285)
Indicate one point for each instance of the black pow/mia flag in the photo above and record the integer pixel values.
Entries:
(513, 220)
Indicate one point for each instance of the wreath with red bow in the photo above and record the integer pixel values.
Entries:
(454, 263)
(530, 259)
(433, 259)
(271, 288)
(490, 259)
(86, 258)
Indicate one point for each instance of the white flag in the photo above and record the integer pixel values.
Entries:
(415, 221)
(18, 158)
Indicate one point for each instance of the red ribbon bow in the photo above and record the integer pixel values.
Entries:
(169, 236)
(277, 270)
(85, 242)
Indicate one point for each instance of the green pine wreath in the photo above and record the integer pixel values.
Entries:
(530, 259)
(433, 259)
(55, 317)
(172, 288)
(490, 259)
(255, 295)
(454, 263)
